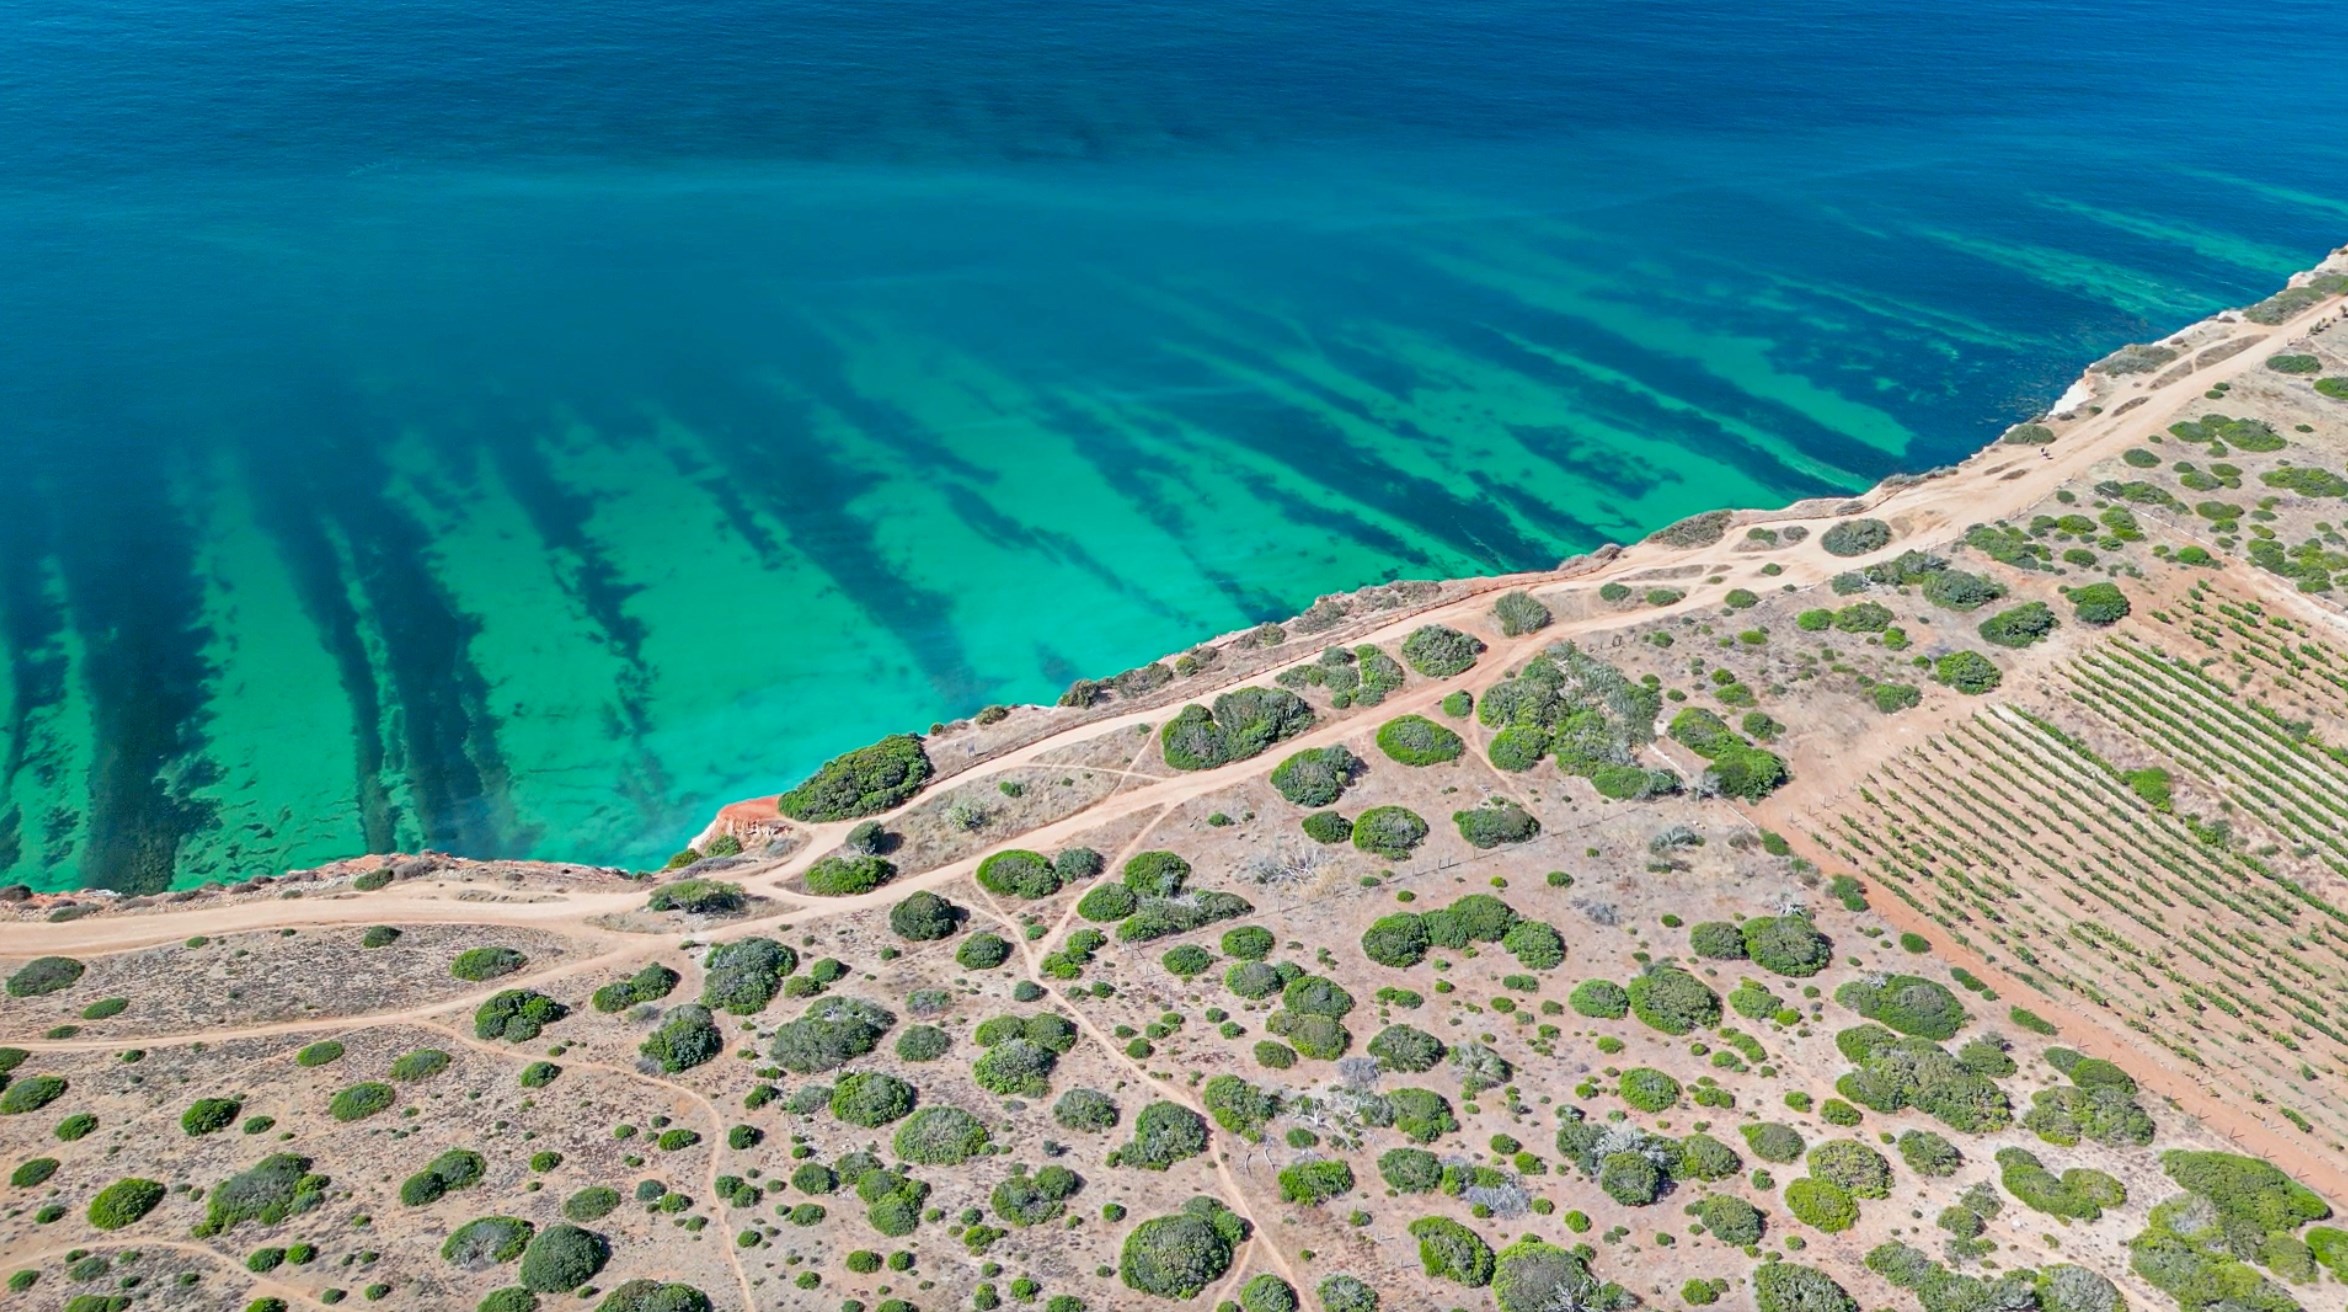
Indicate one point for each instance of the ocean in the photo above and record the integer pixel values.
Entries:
(517, 429)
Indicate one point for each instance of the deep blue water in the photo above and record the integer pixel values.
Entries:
(521, 427)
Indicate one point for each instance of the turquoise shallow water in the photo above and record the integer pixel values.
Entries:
(521, 431)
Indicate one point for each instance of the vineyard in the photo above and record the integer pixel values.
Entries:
(2059, 841)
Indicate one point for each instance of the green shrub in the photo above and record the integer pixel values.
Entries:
(1238, 1106)
(1451, 1251)
(862, 782)
(1787, 1287)
(458, 1168)
(592, 1203)
(1439, 652)
(1086, 1110)
(1856, 537)
(1532, 1276)
(871, 1099)
(1422, 1115)
(1718, 940)
(1787, 945)
(31, 1094)
(561, 1258)
(1410, 1170)
(742, 976)
(105, 1008)
(278, 1186)
(924, 917)
(2244, 1189)
(1673, 1001)
(1188, 961)
(481, 964)
(830, 1034)
(421, 1064)
(1905, 1003)
(1164, 1133)
(982, 951)
(2029, 435)
(1313, 1183)
(1968, 672)
(1253, 980)
(1248, 943)
(491, 1241)
(2079, 1193)
(1854, 1167)
(699, 897)
(1630, 1178)
(1730, 1219)
(360, 1101)
(1497, 823)
(1600, 999)
(1243, 723)
(1029, 1200)
(1327, 827)
(846, 876)
(654, 1296)
(1535, 944)
(1317, 776)
(1958, 590)
(2018, 626)
(44, 975)
(1399, 940)
(1648, 1089)
(1018, 873)
(516, 1015)
(649, 984)
(940, 1136)
(686, 1037)
(2099, 604)
(209, 1116)
(1821, 1204)
(1418, 741)
(1772, 1141)
(1406, 1049)
(123, 1202)
(1518, 614)
(1180, 1255)
(1392, 832)
(32, 1172)
(1892, 698)
(2294, 364)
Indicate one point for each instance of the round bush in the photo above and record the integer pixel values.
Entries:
(592, 1203)
(1188, 961)
(1327, 827)
(923, 1043)
(1787, 1287)
(489, 1241)
(1317, 776)
(1968, 672)
(209, 1115)
(1177, 1256)
(480, 964)
(360, 1101)
(846, 876)
(830, 1034)
(1106, 902)
(1821, 1204)
(1268, 1293)
(44, 975)
(1018, 873)
(924, 918)
(1855, 537)
(1406, 1049)
(1157, 874)
(1248, 943)
(982, 951)
(1718, 940)
(1418, 741)
(123, 1202)
(1853, 1167)
(1253, 980)
(561, 1258)
(940, 1136)
(1392, 832)
(1731, 1220)
(1773, 1142)
(2099, 604)
(1600, 999)
(1673, 1001)
(1648, 1089)
(422, 1064)
(1787, 945)
(1086, 1110)
(1630, 1179)
(871, 1099)
(655, 1296)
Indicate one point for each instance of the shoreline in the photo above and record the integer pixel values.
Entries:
(2204, 343)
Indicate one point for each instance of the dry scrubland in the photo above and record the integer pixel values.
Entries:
(1938, 900)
